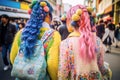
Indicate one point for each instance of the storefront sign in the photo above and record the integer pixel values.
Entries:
(103, 5)
(9, 9)
(24, 5)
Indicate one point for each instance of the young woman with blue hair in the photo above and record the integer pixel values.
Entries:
(35, 28)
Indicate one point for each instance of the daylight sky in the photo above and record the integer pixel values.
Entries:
(73, 2)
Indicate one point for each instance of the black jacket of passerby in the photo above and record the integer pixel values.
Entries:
(111, 26)
(7, 34)
(100, 30)
(63, 31)
(117, 33)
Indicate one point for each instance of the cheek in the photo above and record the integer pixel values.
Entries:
(20, 26)
(3, 20)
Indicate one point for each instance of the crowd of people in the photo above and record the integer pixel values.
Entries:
(69, 48)
(108, 33)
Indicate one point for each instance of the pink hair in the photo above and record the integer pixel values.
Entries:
(87, 38)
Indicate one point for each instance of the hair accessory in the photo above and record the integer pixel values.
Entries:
(46, 9)
(32, 4)
(79, 12)
(29, 11)
(76, 16)
(63, 18)
(90, 9)
(43, 4)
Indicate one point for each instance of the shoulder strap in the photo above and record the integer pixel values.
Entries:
(46, 35)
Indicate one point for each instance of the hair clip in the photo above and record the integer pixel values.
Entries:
(32, 4)
(46, 8)
(79, 12)
(43, 4)
(76, 16)
(63, 18)
(90, 9)
(29, 11)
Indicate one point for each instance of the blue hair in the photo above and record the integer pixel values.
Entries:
(32, 29)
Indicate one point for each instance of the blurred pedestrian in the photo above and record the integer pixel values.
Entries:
(63, 28)
(36, 28)
(100, 29)
(117, 35)
(111, 27)
(55, 23)
(14, 22)
(7, 33)
(106, 39)
(21, 25)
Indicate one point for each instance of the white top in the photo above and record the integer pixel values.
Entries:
(107, 31)
(45, 24)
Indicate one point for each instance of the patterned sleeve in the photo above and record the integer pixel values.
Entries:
(100, 57)
(64, 69)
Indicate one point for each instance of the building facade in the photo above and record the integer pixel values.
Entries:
(116, 11)
(109, 8)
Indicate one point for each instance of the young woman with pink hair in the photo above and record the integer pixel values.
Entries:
(81, 54)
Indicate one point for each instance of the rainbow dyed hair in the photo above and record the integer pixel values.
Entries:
(87, 38)
(32, 28)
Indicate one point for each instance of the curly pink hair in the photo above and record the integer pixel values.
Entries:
(87, 38)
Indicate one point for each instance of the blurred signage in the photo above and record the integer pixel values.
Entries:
(4, 8)
(24, 5)
(7, 9)
(103, 5)
(10, 3)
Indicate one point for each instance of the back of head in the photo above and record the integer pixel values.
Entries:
(63, 18)
(40, 9)
(101, 21)
(4, 16)
(81, 18)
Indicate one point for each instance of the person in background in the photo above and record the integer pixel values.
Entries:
(21, 25)
(55, 23)
(36, 26)
(7, 33)
(111, 27)
(108, 38)
(117, 35)
(13, 21)
(25, 21)
(100, 29)
(63, 28)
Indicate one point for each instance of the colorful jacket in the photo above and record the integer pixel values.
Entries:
(71, 67)
(51, 48)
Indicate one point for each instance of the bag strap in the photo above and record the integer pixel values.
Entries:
(46, 35)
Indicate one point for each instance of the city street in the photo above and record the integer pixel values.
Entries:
(112, 58)
(33, 18)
